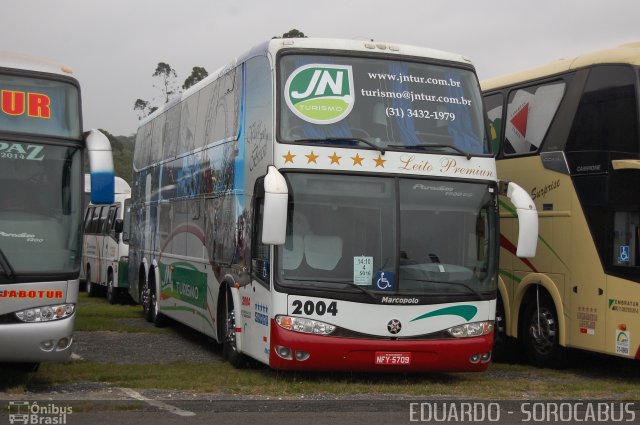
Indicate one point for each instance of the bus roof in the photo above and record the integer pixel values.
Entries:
(31, 63)
(626, 53)
(274, 45)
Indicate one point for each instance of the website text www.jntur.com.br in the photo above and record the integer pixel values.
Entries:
(415, 96)
(401, 78)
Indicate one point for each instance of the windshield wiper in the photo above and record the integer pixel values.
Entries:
(345, 139)
(366, 291)
(348, 282)
(427, 146)
(464, 285)
(6, 266)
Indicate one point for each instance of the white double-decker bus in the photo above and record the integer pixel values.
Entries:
(41, 150)
(325, 205)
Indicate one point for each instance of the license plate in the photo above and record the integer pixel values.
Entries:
(393, 358)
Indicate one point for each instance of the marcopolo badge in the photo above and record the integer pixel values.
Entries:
(320, 93)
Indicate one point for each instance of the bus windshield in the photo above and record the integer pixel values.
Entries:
(380, 103)
(40, 206)
(389, 235)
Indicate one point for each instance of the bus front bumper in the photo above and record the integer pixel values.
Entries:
(37, 342)
(378, 355)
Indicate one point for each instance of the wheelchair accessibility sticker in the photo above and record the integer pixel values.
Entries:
(624, 254)
(385, 281)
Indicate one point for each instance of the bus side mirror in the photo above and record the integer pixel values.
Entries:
(274, 218)
(101, 168)
(527, 218)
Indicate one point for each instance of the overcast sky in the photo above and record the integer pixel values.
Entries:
(113, 46)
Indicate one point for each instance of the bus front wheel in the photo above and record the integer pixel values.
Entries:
(503, 349)
(540, 332)
(145, 300)
(112, 293)
(229, 343)
(92, 288)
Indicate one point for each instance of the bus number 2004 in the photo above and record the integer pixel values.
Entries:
(320, 308)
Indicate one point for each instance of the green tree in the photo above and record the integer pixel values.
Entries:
(145, 108)
(168, 85)
(293, 33)
(198, 73)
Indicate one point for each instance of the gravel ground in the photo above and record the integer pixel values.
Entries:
(145, 347)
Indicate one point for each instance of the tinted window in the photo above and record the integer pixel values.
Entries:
(259, 111)
(530, 111)
(188, 119)
(41, 209)
(607, 118)
(494, 106)
(87, 219)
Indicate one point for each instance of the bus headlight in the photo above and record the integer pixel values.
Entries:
(308, 326)
(46, 313)
(471, 329)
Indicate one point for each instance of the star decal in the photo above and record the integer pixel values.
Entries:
(288, 157)
(379, 161)
(357, 160)
(335, 159)
(312, 158)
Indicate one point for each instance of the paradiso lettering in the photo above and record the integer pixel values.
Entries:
(16, 103)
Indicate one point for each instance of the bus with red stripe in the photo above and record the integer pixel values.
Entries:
(322, 204)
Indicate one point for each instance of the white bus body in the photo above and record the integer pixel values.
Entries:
(41, 159)
(370, 244)
(105, 257)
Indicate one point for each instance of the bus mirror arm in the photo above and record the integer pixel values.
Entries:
(527, 218)
(119, 225)
(274, 218)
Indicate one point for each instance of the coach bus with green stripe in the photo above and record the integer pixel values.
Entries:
(323, 204)
(568, 132)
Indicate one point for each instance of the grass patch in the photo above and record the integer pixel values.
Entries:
(502, 381)
(589, 378)
(96, 314)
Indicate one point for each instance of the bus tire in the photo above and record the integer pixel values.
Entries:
(157, 318)
(112, 293)
(145, 300)
(92, 288)
(503, 346)
(540, 332)
(229, 344)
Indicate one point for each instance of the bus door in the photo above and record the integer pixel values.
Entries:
(256, 306)
(110, 243)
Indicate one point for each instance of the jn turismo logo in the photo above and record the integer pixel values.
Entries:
(321, 94)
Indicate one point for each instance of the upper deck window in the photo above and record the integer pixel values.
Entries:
(383, 102)
(607, 118)
(38, 106)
